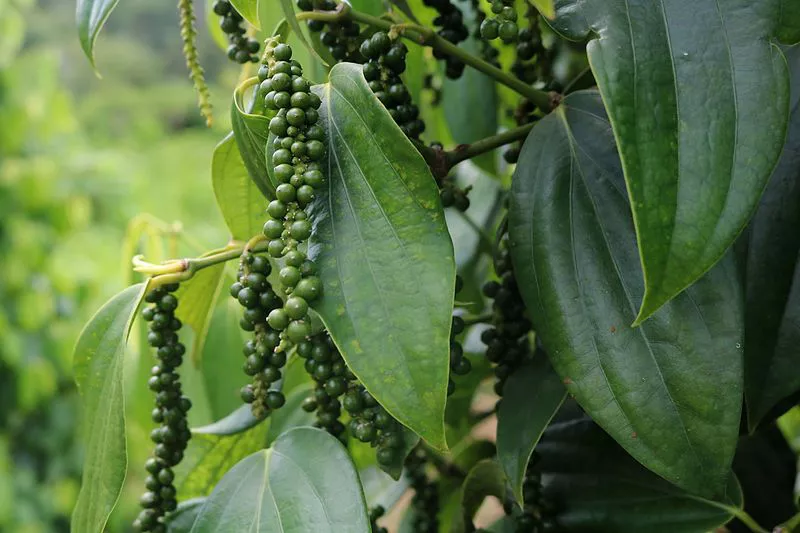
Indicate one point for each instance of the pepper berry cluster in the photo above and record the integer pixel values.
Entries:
(297, 150)
(325, 365)
(425, 502)
(370, 423)
(503, 25)
(263, 362)
(341, 38)
(172, 435)
(386, 60)
(459, 365)
(507, 343)
(242, 48)
(451, 28)
(538, 513)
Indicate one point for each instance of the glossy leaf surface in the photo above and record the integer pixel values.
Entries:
(698, 96)
(602, 489)
(238, 197)
(668, 391)
(304, 482)
(252, 133)
(772, 335)
(91, 15)
(384, 256)
(98, 366)
(248, 9)
(531, 397)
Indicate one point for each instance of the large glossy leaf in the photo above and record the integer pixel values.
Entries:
(668, 391)
(98, 365)
(251, 132)
(600, 488)
(182, 520)
(532, 396)
(238, 197)
(304, 482)
(91, 15)
(772, 335)
(248, 9)
(697, 96)
(386, 261)
(215, 449)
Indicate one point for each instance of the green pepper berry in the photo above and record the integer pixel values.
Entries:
(281, 81)
(296, 307)
(296, 116)
(283, 172)
(305, 194)
(309, 288)
(278, 319)
(248, 297)
(282, 52)
(275, 248)
(508, 31)
(301, 100)
(281, 156)
(316, 149)
(298, 330)
(289, 276)
(278, 125)
(300, 230)
(489, 29)
(300, 85)
(285, 193)
(276, 209)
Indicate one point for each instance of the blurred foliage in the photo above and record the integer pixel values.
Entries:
(78, 159)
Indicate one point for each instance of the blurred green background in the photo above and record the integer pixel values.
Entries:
(80, 158)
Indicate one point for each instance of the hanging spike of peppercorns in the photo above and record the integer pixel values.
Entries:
(172, 434)
(242, 49)
(263, 362)
(507, 342)
(325, 365)
(425, 502)
(386, 61)
(459, 364)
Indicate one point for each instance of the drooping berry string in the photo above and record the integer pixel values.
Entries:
(507, 342)
(242, 49)
(459, 364)
(325, 365)
(172, 434)
(425, 503)
(263, 361)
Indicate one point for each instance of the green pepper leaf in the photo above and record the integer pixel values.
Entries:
(304, 482)
(252, 133)
(532, 396)
(697, 95)
(600, 488)
(668, 391)
(98, 366)
(238, 197)
(91, 16)
(772, 327)
(248, 9)
(216, 448)
(385, 258)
